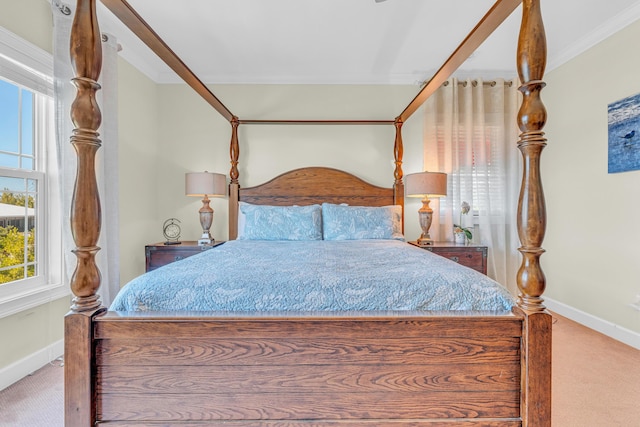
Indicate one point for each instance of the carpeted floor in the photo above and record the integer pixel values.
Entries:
(595, 379)
(596, 383)
(36, 400)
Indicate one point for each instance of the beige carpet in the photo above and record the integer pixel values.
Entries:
(596, 379)
(596, 383)
(36, 400)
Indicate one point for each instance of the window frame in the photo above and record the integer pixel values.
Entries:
(29, 67)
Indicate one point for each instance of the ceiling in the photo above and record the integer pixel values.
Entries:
(350, 41)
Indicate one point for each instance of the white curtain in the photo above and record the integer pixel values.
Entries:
(107, 158)
(470, 133)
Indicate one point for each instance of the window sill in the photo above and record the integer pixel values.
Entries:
(32, 298)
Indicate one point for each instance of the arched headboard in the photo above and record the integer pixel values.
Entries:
(306, 186)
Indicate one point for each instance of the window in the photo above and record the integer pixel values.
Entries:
(479, 176)
(30, 248)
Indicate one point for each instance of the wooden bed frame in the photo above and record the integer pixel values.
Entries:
(386, 369)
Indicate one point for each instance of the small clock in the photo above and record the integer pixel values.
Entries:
(171, 231)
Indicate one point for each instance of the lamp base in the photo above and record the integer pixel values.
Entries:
(422, 241)
(206, 219)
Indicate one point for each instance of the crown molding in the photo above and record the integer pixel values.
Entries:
(600, 33)
(159, 73)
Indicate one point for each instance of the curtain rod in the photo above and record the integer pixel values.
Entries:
(474, 83)
(63, 8)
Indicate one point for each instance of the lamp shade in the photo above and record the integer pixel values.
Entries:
(205, 184)
(422, 184)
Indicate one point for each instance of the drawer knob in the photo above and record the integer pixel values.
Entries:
(179, 257)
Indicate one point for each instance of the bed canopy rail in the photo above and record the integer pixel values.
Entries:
(85, 215)
(316, 122)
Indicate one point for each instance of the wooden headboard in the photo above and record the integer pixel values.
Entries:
(306, 186)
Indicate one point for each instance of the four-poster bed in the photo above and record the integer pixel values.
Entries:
(393, 368)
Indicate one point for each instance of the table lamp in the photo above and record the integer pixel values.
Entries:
(425, 185)
(205, 184)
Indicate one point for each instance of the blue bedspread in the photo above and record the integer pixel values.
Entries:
(249, 275)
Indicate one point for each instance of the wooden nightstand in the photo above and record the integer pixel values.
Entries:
(473, 256)
(159, 254)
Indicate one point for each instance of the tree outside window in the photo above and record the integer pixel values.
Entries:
(19, 179)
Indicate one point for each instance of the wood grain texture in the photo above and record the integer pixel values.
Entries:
(234, 151)
(398, 173)
(308, 405)
(532, 116)
(158, 254)
(233, 210)
(252, 367)
(338, 350)
(79, 379)
(331, 423)
(327, 378)
(472, 256)
(317, 185)
(86, 210)
(310, 327)
(536, 370)
(398, 152)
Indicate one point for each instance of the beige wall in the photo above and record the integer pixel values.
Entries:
(26, 333)
(137, 156)
(194, 137)
(32, 330)
(29, 19)
(592, 261)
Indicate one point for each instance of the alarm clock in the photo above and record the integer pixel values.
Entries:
(171, 231)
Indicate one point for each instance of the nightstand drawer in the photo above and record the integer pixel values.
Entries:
(472, 256)
(159, 254)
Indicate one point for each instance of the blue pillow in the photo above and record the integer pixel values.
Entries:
(266, 222)
(341, 222)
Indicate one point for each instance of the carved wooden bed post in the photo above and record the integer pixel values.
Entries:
(398, 153)
(532, 117)
(86, 57)
(234, 184)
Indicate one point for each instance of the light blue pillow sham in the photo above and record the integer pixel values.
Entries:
(267, 222)
(342, 222)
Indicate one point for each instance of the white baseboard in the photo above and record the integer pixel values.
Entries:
(20, 369)
(605, 327)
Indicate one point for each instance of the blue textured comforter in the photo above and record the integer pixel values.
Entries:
(249, 275)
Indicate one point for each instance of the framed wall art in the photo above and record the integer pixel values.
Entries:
(624, 134)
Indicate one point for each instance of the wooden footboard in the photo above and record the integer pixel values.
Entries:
(411, 369)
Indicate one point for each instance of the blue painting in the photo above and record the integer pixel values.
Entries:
(624, 134)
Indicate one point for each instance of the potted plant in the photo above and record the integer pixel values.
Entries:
(462, 234)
